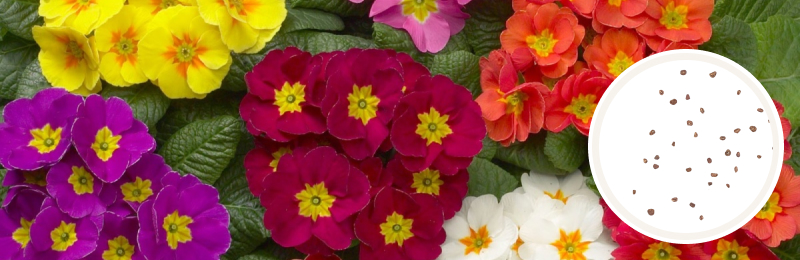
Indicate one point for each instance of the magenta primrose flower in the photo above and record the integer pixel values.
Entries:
(117, 239)
(56, 235)
(142, 180)
(449, 190)
(15, 222)
(429, 22)
(76, 190)
(18, 180)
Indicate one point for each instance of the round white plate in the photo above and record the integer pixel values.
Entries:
(620, 140)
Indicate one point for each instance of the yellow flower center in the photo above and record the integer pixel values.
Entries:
(476, 241)
(185, 52)
(421, 9)
(674, 17)
(619, 63)
(137, 191)
(168, 3)
(570, 246)
(427, 181)
(63, 236)
(81, 180)
(289, 97)
(177, 228)
(396, 229)
(542, 43)
(616, 3)
(125, 46)
(45, 139)
(105, 143)
(23, 234)
(582, 107)
(315, 201)
(661, 251)
(730, 250)
(514, 102)
(276, 157)
(119, 248)
(770, 208)
(558, 196)
(363, 105)
(433, 126)
(37, 177)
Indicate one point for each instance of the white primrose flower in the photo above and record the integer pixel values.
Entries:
(480, 231)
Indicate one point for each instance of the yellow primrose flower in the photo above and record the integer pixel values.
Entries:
(117, 42)
(82, 15)
(154, 6)
(183, 54)
(69, 60)
(245, 25)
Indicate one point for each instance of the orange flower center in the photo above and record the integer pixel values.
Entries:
(476, 241)
(542, 43)
(616, 3)
(582, 107)
(570, 246)
(674, 17)
(770, 208)
(516, 245)
(75, 53)
(126, 46)
(514, 102)
(730, 250)
(186, 52)
(619, 63)
(661, 251)
(558, 196)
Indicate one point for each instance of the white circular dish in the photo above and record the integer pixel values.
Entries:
(726, 191)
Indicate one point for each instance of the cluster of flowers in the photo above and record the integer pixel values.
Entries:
(429, 22)
(362, 144)
(541, 45)
(85, 185)
(83, 41)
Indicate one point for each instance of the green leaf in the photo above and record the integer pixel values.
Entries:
(340, 7)
(241, 65)
(487, 178)
(31, 81)
(3, 189)
(233, 188)
(751, 11)
(316, 42)
(310, 19)
(19, 16)
(529, 155)
(185, 111)
(386, 37)
(794, 142)
(489, 148)
(778, 67)
(460, 66)
(788, 250)
(15, 55)
(273, 251)
(203, 148)
(487, 21)
(566, 149)
(146, 100)
(734, 39)
(247, 230)
(358, 26)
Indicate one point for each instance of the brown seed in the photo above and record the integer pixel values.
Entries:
(737, 130)
(651, 212)
(701, 217)
(652, 132)
(713, 74)
(655, 166)
(709, 183)
(687, 96)
(722, 138)
(728, 152)
(673, 143)
(675, 199)
(695, 134)
(728, 185)
(737, 154)
(657, 157)
(691, 204)
(702, 111)
(752, 128)
(708, 160)
(759, 156)
(645, 160)
(683, 72)
(661, 92)
(738, 92)
(714, 175)
(689, 169)
(689, 123)
(760, 110)
(634, 192)
(673, 101)
(736, 169)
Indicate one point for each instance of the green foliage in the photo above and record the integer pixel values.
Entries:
(310, 19)
(530, 155)
(734, 39)
(247, 226)
(386, 37)
(183, 112)
(316, 42)
(341, 7)
(203, 148)
(460, 66)
(242, 63)
(778, 69)
(146, 101)
(19, 16)
(15, 55)
(487, 21)
(31, 81)
(755, 10)
(489, 149)
(3, 189)
(788, 250)
(487, 178)
(566, 149)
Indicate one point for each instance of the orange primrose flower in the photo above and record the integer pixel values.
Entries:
(684, 21)
(584, 8)
(779, 218)
(614, 51)
(620, 13)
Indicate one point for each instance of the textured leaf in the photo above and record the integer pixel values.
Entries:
(31, 81)
(734, 39)
(203, 148)
(566, 149)
(460, 66)
(340, 7)
(232, 186)
(15, 55)
(794, 141)
(489, 149)
(358, 26)
(242, 63)
(146, 100)
(19, 16)
(487, 21)
(487, 178)
(310, 19)
(3, 189)
(788, 250)
(183, 112)
(755, 10)
(529, 155)
(247, 230)
(778, 67)
(386, 37)
(273, 251)
(316, 42)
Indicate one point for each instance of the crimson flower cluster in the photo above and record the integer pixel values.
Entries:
(362, 144)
